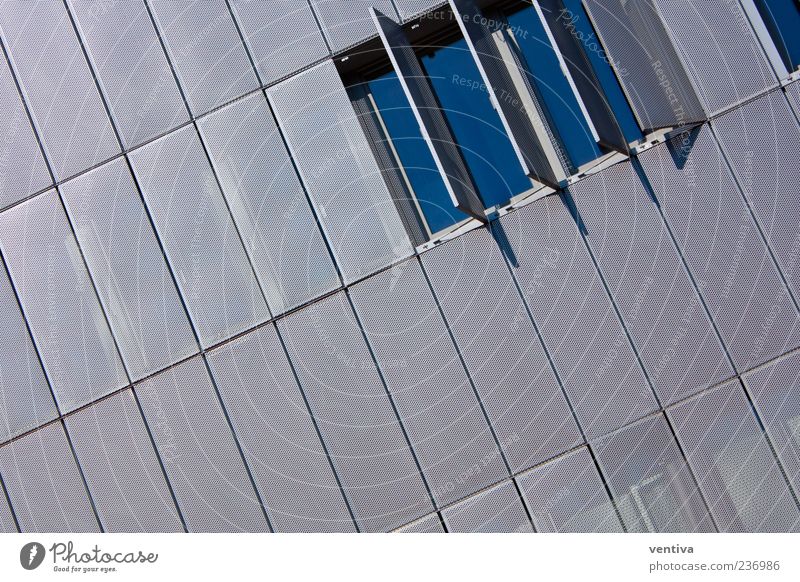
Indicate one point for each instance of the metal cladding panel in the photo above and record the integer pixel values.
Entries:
(289, 463)
(522, 397)
(580, 329)
(199, 236)
(661, 308)
(720, 50)
(348, 23)
(58, 85)
(497, 510)
(478, 31)
(410, 8)
(762, 143)
(126, 263)
(206, 51)
(283, 36)
(199, 452)
(339, 171)
(7, 523)
(65, 318)
(268, 203)
(433, 394)
(120, 466)
(24, 169)
(732, 461)
(793, 96)
(131, 66)
(646, 63)
(432, 123)
(429, 524)
(650, 481)
(775, 390)
(45, 485)
(25, 398)
(723, 248)
(355, 416)
(567, 495)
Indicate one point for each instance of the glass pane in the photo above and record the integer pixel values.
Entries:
(782, 18)
(475, 124)
(402, 127)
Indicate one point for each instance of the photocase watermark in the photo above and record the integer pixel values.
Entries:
(589, 41)
(65, 558)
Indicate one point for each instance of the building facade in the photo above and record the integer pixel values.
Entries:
(399, 265)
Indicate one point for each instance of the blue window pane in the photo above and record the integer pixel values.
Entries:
(413, 152)
(475, 124)
(559, 99)
(782, 19)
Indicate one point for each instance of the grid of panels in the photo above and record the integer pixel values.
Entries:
(348, 23)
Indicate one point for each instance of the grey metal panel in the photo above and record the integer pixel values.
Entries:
(134, 284)
(121, 468)
(502, 352)
(720, 50)
(732, 461)
(723, 248)
(44, 484)
(131, 66)
(199, 452)
(793, 95)
(432, 392)
(354, 414)
(199, 236)
(657, 301)
(646, 62)
(7, 524)
(432, 123)
(24, 170)
(579, 327)
(650, 481)
(289, 463)
(478, 31)
(206, 51)
(497, 510)
(283, 35)
(567, 495)
(762, 142)
(582, 74)
(58, 85)
(57, 298)
(348, 23)
(410, 8)
(268, 203)
(25, 398)
(775, 390)
(429, 524)
(339, 171)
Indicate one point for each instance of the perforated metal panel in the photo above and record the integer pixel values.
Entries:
(410, 8)
(432, 123)
(646, 62)
(283, 35)
(206, 51)
(579, 326)
(121, 468)
(199, 452)
(498, 510)
(434, 397)
(123, 256)
(762, 142)
(567, 495)
(658, 303)
(723, 248)
(793, 95)
(24, 170)
(734, 466)
(25, 398)
(348, 23)
(505, 358)
(339, 171)
(355, 416)
(130, 63)
(44, 485)
(650, 481)
(7, 524)
(199, 236)
(59, 302)
(429, 524)
(58, 85)
(268, 204)
(290, 466)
